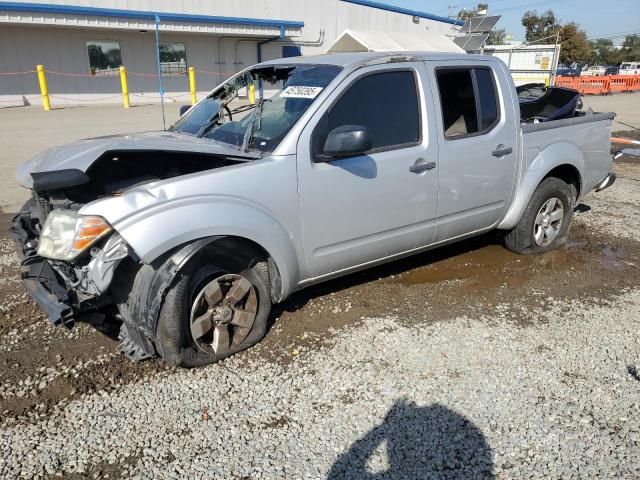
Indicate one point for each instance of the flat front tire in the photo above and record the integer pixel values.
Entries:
(218, 306)
(544, 225)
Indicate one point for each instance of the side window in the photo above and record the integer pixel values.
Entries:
(386, 103)
(487, 97)
(469, 101)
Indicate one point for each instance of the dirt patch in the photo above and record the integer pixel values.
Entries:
(476, 278)
(112, 471)
(42, 367)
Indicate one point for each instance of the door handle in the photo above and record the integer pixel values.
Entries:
(501, 151)
(422, 165)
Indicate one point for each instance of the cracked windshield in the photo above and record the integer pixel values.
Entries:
(256, 109)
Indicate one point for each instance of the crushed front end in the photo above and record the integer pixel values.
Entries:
(68, 283)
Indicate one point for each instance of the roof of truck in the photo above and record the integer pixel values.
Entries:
(360, 59)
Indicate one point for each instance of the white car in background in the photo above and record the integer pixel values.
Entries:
(630, 68)
(593, 71)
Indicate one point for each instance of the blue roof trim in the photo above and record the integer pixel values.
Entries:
(143, 15)
(406, 11)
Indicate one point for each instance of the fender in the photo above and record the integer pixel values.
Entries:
(153, 226)
(536, 166)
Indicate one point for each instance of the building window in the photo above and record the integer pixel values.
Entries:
(105, 58)
(173, 59)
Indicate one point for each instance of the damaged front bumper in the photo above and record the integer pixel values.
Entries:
(67, 291)
(46, 287)
(64, 290)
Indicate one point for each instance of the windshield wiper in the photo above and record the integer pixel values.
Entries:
(255, 119)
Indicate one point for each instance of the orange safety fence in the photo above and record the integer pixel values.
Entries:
(565, 82)
(600, 85)
(619, 84)
(593, 85)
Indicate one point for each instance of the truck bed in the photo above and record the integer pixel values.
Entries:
(584, 138)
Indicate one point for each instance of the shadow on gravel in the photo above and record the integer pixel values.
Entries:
(421, 442)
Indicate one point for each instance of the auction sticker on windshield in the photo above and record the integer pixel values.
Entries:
(299, 91)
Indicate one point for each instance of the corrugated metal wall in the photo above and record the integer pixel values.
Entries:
(64, 49)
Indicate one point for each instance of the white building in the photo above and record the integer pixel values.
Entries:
(82, 43)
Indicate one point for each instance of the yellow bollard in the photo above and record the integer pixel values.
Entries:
(192, 85)
(125, 87)
(44, 90)
(252, 94)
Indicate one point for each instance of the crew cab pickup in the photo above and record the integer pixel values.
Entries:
(290, 173)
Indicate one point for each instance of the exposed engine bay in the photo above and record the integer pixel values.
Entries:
(115, 172)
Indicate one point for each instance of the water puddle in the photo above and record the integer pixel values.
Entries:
(494, 266)
(632, 152)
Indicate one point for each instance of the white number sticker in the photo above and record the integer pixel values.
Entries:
(299, 91)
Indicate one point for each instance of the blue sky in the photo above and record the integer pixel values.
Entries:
(599, 18)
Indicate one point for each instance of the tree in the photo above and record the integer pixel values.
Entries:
(604, 53)
(540, 26)
(631, 48)
(497, 37)
(465, 14)
(574, 44)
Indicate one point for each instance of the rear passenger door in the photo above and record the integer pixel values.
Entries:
(477, 134)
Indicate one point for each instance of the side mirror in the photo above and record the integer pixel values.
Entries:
(184, 108)
(346, 140)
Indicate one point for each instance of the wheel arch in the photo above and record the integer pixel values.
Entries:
(251, 250)
(568, 172)
(151, 283)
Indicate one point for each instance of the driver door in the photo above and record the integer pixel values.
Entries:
(366, 207)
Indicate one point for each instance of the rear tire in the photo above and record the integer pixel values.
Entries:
(230, 325)
(544, 225)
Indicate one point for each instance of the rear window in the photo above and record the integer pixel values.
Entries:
(469, 101)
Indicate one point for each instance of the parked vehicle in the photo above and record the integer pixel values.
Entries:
(355, 159)
(612, 71)
(567, 72)
(593, 71)
(630, 68)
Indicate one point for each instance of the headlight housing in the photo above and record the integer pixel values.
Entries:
(66, 234)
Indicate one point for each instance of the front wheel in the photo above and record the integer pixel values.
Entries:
(218, 306)
(545, 222)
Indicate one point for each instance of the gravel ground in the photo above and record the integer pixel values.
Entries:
(462, 398)
(466, 362)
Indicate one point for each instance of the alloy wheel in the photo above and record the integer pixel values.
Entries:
(223, 313)
(548, 222)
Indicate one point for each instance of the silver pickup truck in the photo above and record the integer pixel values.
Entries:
(290, 173)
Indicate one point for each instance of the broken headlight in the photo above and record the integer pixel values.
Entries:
(66, 234)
